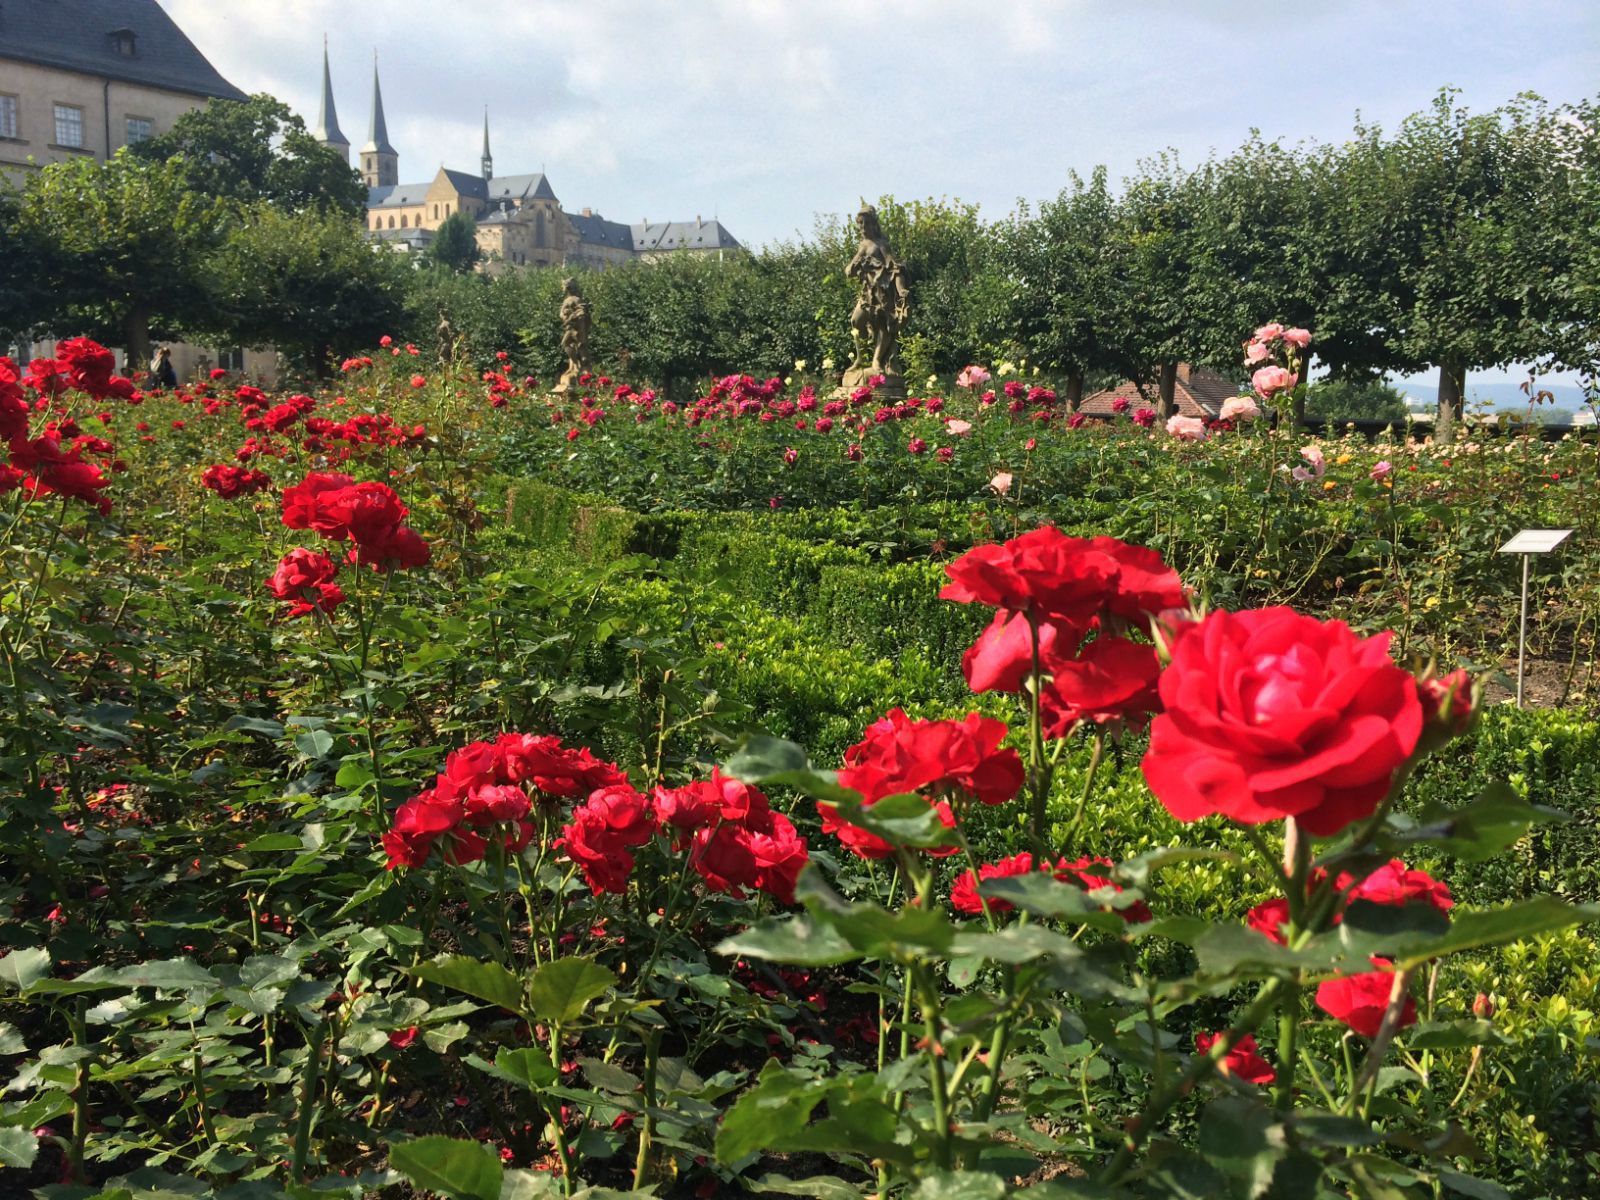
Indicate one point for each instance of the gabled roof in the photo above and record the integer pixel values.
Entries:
(397, 195)
(467, 184)
(595, 230)
(75, 35)
(520, 187)
(1198, 392)
(683, 235)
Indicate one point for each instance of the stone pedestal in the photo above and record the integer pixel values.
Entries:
(893, 387)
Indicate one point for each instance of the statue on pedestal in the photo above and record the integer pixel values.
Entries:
(576, 321)
(882, 305)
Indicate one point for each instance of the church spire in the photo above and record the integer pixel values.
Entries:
(380, 162)
(488, 159)
(327, 131)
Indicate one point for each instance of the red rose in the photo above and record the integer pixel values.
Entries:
(418, 824)
(1112, 679)
(304, 579)
(964, 897)
(780, 855)
(302, 502)
(1269, 919)
(1271, 714)
(1244, 1061)
(602, 832)
(1359, 1001)
(723, 856)
(1042, 571)
(867, 845)
(1394, 884)
(1002, 657)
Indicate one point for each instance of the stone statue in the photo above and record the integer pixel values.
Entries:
(448, 342)
(882, 305)
(576, 321)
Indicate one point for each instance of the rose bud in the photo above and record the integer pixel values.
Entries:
(1483, 1006)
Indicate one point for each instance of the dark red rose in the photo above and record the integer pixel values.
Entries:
(1244, 1061)
(1359, 1001)
(1271, 714)
(304, 579)
(1393, 883)
(302, 503)
(1111, 679)
(899, 755)
(964, 897)
(1002, 657)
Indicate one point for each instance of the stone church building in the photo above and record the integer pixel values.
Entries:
(519, 220)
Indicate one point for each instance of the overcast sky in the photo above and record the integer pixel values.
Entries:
(768, 112)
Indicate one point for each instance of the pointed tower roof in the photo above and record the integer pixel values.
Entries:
(488, 159)
(378, 131)
(327, 129)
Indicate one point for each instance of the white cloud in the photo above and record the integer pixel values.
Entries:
(771, 110)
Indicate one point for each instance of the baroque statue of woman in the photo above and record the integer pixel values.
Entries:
(882, 304)
(576, 321)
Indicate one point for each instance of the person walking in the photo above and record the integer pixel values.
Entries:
(161, 373)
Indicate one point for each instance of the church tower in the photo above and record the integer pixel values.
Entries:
(380, 162)
(327, 131)
(488, 159)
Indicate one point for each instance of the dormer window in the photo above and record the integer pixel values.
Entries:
(125, 42)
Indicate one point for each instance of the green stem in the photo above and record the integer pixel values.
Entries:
(1095, 758)
(641, 1163)
(308, 1109)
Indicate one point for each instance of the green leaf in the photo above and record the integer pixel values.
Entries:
(962, 1185)
(456, 1168)
(1470, 1185)
(21, 969)
(798, 940)
(1237, 949)
(1243, 1138)
(778, 1106)
(819, 1187)
(1490, 927)
(519, 1184)
(559, 991)
(314, 743)
(484, 980)
(11, 1040)
(272, 729)
(1478, 830)
(18, 1148)
(526, 1067)
(769, 760)
(172, 973)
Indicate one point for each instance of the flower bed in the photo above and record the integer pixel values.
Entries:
(356, 840)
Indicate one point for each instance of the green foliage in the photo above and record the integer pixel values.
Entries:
(455, 244)
(258, 150)
(1340, 399)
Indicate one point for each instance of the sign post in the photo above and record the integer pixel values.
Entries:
(1528, 543)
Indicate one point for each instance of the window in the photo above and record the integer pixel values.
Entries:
(435, 212)
(231, 360)
(140, 129)
(69, 126)
(124, 42)
(8, 117)
(402, 220)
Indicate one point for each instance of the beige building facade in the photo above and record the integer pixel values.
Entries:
(85, 79)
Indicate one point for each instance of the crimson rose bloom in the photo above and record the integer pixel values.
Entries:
(304, 579)
(1395, 884)
(1112, 679)
(1271, 714)
(1359, 1001)
(1002, 657)
(603, 830)
(302, 503)
(1043, 571)
(899, 755)
(1244, 1061)
(964, 896)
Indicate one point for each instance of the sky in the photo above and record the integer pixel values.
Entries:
(769, 113)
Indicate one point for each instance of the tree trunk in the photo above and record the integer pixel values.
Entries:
(1452, 393)
(1166, 405)
(1074, 390)
(136, 339)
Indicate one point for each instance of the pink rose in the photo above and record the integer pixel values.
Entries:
(1269, 381)
(1297, 337)
(1382, 468)
(1001, 483)
(1188, 429)
(1240, 408)
(1268, 333)
(958, 427)
(1318, 468)
(972, 378)
(1256, 352)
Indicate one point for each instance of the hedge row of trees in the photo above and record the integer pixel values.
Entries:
(1459, 241)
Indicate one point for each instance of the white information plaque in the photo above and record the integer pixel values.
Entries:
(1535, 541)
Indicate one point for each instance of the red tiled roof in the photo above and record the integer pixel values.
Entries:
(1198, 392)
